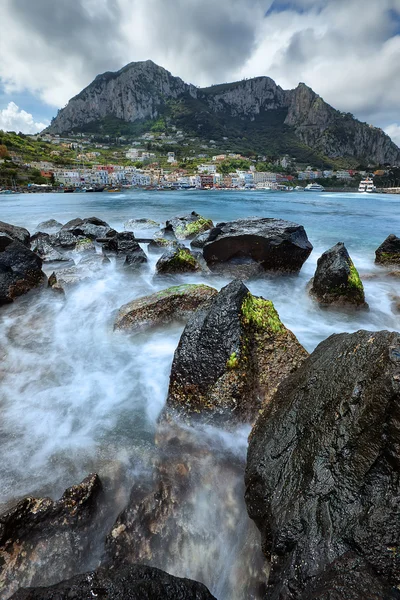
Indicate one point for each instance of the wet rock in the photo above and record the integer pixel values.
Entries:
(323, 467)
(187, 227)
(84, 245)
(20, 270)
(41, 245)
(199, 240)
(135, 260)
(37, 535)
(274, 244)
(173, 304)
(159, 245)
(336, 281)
(70, 225)
(88, 268)
(121, 243)
(63, 239)
(171, 520)
(137, 582)
(49, 225)
(18, 234)
(232, 355)
(388, 253)
(136, 224)
(91, 227)
(179, 260)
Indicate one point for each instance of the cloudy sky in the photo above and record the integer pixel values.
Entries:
(348, 51)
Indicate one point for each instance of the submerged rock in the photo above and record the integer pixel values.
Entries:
(388, 253)
(37, 535)
(42, 246)
(231, 357)
(173, 304)
(136, 582)
(323, 472)
(159, 245)
(136, 224)
(187, 227)
(50, 224)
(336, 281)
(179, 260)
(20, 270)
(18, 234)
(274, 244)
(86, 269)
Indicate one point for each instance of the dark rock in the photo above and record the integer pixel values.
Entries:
(84, 245)
(19, 234)
(187, 227)
(88, 268)
(137, 582)
(323, 467)
(50, 224)
(159, 245)
(70, 225)
(388, 253)
(136, 224)
(40, 244)
(20, 270)
(135, 259)
(63, 239)
(121, 243)
(200, 240)
(274, 244)
(336, 281)
(232, 355)
(173, 304)
(36, 535)
(179, 260)
(91, 227)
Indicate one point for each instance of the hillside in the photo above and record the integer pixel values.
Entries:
(254, 115)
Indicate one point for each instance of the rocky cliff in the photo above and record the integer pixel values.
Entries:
(257, 111)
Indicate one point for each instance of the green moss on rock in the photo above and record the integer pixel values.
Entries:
(261, 314)
(232, 362)
(354, 279)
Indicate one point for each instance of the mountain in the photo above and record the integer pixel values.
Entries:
(254, 114)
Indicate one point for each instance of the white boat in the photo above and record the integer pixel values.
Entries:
(367, 185)
(314, 187)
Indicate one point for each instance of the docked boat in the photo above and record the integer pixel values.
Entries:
(367, 186)
(314, 187)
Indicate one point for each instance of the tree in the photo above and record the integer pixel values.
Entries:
(3, 151)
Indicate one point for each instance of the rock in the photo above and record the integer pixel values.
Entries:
(91, 227)
(84, 245)
(274, 244)
(232, 355)
(136, 224)
(336, 281)
(171, 519)
(135, 259)
(121, 243)
(173, 304)
(159, 245)
(200, 239)
(188, 226)
(70, 225)
(136, 582)
(40, 244)
(388, 253)
(51, 224)
(179, 260)
(323, 465)
(19, 234)
(63, 239)
(38, 535)
(20, 270)
(88, 268)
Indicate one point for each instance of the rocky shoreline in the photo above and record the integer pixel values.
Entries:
(321, 481)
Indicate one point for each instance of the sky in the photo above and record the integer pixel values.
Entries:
(348, 51)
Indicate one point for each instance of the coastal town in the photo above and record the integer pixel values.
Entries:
(81, 163)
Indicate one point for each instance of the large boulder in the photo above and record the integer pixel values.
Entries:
(92, 228)
(63, 239)
(20, 270)
(41, 245)
(187, 227)
(50, 225)
(121, 243)
(388, 253)
(232, 355)
(336, 281)
(177, 260)
(38, 537)
(173, 304)
(323, 472)
(273, 244)
(19, 234)
(137, 582)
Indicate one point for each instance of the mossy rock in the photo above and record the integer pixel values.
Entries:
(188, 226)
(175, 303)
(388, 253)
(175, 261)
(336, 281)
(231, 357)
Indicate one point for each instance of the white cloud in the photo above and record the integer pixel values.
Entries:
(13, 118)
(393, 131)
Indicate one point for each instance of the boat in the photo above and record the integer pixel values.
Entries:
(314, 187)
(299, 188)
(367, 186)
(68, 190)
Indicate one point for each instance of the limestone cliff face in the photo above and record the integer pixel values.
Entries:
(337, 134)
(141, 91)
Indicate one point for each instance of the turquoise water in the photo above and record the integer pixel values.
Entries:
(76, 397)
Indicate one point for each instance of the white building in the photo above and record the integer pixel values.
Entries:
(171, 157)
(208, 169)
(264, 177)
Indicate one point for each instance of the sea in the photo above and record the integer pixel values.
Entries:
(77, 397)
